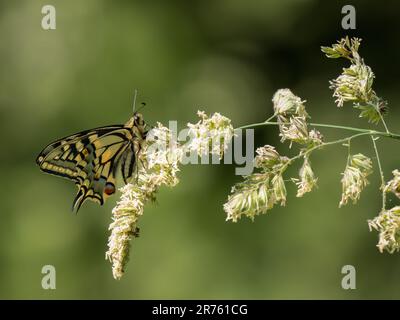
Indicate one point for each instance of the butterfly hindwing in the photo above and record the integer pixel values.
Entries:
(98, 167)
(90, 159)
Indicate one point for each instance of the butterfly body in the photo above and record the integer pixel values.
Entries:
(91, 158)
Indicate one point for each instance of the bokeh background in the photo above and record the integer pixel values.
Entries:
(227, 56)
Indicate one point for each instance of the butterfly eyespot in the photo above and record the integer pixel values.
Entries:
(109, 188)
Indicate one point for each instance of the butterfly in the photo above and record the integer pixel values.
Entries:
(91, 158)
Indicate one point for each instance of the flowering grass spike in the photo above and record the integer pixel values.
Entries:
(354, 179)
(261, 190)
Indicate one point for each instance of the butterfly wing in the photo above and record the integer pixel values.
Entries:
(90, 158)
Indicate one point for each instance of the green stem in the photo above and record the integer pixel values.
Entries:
(381, 174)
(366, 131)
(306, 152)
(384, 122)
(270, 118)
(381, 117)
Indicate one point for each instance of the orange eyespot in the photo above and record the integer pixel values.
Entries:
(109, 188)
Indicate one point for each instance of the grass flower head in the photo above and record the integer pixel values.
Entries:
(210, 134)
(387, 223)
(355, 177)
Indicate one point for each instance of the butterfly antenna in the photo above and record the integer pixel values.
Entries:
(134, 101)
(143, 104)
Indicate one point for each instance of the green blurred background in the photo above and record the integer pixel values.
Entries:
(225, 56)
